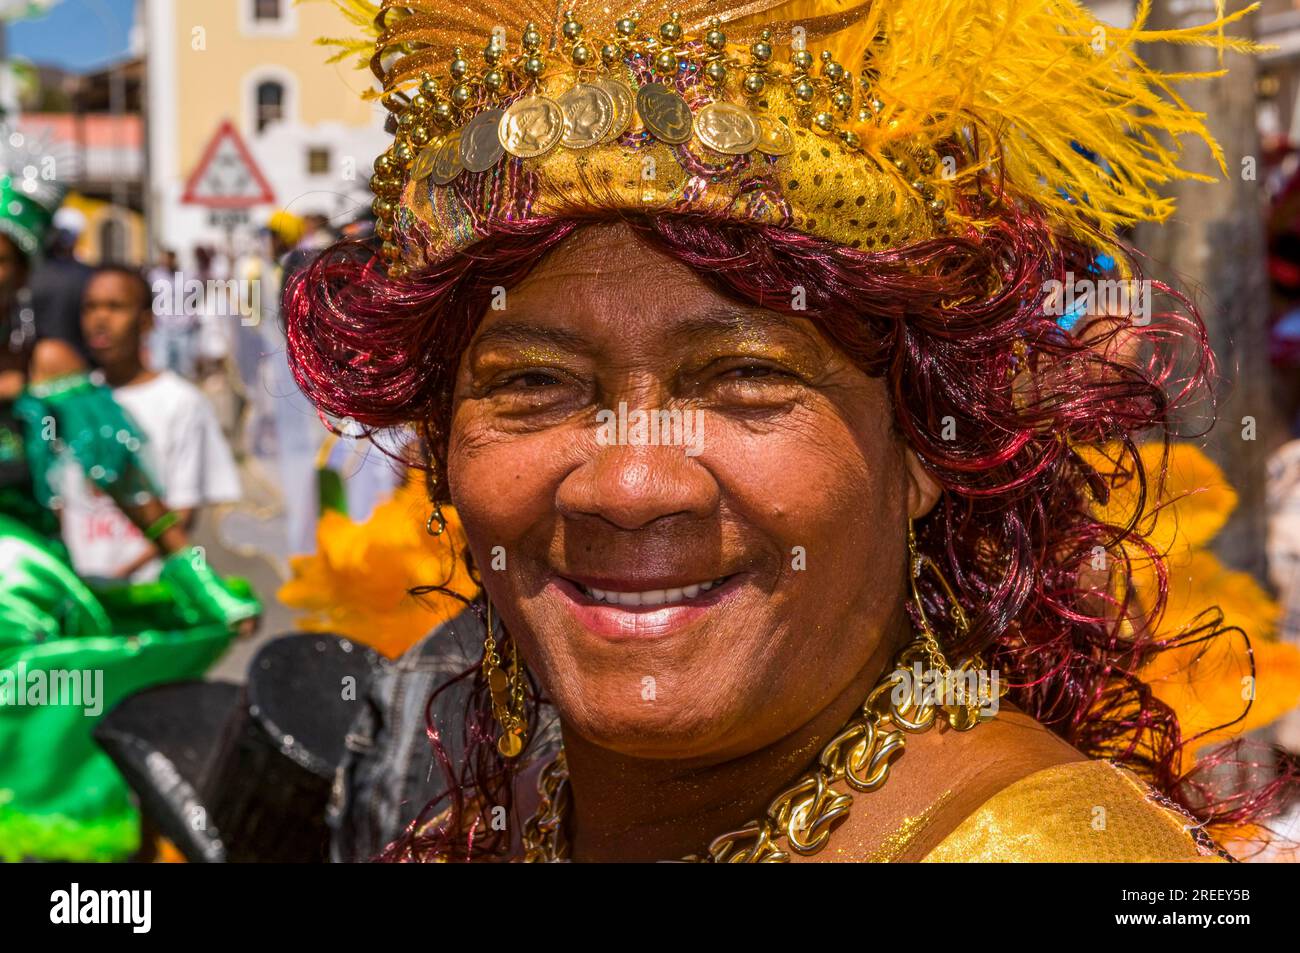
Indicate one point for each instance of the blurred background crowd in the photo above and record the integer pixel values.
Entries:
(206, 145)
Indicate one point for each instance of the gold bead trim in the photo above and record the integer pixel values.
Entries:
(482, 113)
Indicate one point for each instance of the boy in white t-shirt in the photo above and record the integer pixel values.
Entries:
(184, 448)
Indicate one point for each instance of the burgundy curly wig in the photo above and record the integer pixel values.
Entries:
(995, 398)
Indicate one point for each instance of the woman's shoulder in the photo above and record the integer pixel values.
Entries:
(1078, 811)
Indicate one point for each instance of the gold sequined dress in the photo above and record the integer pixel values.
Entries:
(1084, 811)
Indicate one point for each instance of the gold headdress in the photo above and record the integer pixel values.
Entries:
(508, 110)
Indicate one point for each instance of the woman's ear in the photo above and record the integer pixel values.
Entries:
(922, 489)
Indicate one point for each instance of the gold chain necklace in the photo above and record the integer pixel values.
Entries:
(806, 812)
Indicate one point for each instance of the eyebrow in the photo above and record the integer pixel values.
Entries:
(742, 320)
(521, 333)
(691, 329)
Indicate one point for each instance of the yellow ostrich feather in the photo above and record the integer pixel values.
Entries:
(1023, 82)
(361, 14)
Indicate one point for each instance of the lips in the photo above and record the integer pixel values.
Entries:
(668, 595)
(643, 608)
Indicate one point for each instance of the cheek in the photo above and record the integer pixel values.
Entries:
(830, 496)
(821, 485)
(501, 485)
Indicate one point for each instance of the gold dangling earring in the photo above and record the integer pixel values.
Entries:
(507, 690)
(436, 516)
(966, 713)
(917, 564)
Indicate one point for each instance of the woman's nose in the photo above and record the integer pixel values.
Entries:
(633, 486)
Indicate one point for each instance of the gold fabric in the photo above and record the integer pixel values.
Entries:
(1083, 811)
(821, 188)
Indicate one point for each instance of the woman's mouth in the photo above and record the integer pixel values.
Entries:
(620, 611)
(651, 597)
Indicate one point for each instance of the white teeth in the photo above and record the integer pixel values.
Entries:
(654, 597)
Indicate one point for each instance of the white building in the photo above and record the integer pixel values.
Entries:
(256, 64)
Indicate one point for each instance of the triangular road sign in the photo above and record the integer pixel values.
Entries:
(228, 176)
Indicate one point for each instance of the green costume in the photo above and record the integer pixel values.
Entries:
(68, 652)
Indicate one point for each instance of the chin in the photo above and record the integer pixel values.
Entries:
(669, 726)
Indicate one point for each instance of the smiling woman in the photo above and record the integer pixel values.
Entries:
(888, 477)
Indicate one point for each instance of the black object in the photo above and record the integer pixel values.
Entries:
(163, 740)
(58, 285)
(244, 774)
(388, 774)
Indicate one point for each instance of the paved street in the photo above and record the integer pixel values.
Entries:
(264, 576)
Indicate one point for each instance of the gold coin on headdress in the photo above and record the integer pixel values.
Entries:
(423, 165)
(775, 138)
(727, 128)
(510, 744)
(480, 146)
(531, 126)
(624, 105)
(664, 113)
(588, 114)
(446, 161)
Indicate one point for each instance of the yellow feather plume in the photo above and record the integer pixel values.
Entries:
(362, 14)
(1022, 83)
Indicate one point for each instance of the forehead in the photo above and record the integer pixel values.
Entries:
(110, 282)
(115, 286)
(607, 287)
(605, 248)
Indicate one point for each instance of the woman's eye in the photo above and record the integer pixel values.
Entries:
(749, 373)
(526, 380)
(753, 384)
(757, 372)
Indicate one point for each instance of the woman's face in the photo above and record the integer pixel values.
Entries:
(705, 594)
